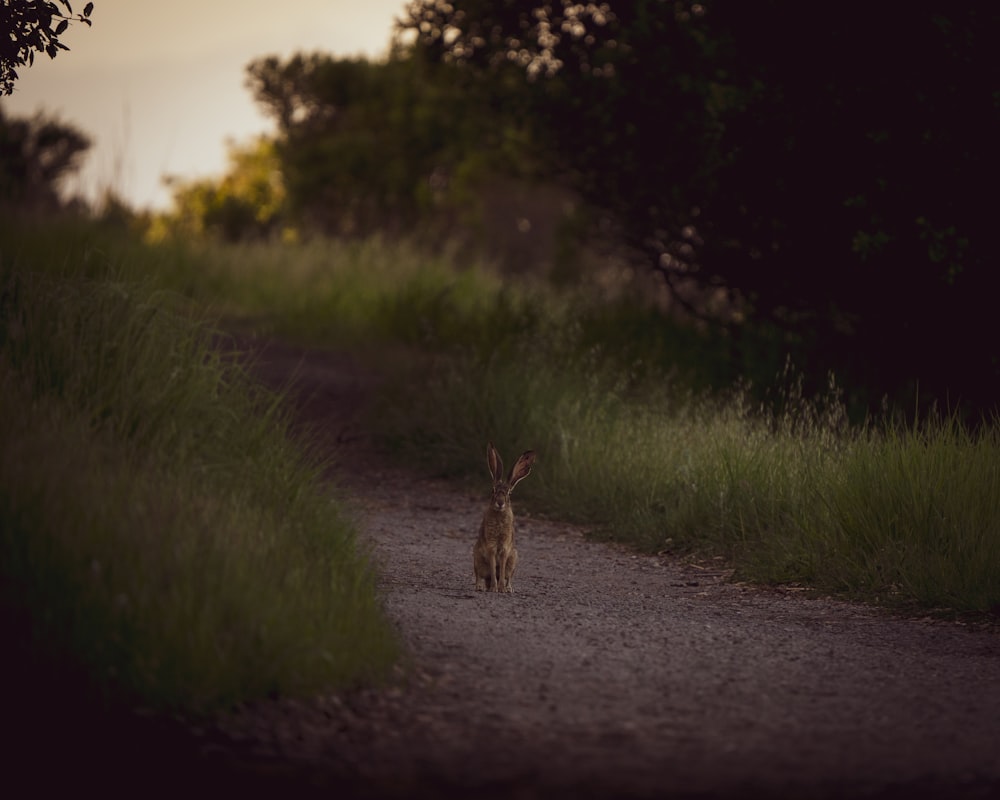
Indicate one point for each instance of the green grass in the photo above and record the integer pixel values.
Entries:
(893, 515)
(915, 512)
(163, 537)
(639, 429)
(321, 290)
(384, 292)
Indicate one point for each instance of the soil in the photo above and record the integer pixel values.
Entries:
(604, 674)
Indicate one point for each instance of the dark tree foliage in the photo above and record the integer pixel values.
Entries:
(32, 26)
(35, 155)
(344, 164)
(833, 170)
(368, 146)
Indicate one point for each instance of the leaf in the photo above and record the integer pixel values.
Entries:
(61, 27)
(86, 22)
(87, 9)
(51, 50)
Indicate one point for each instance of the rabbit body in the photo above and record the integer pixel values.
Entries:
(494, 557)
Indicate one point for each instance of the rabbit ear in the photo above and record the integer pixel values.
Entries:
(521, 467)
(494, 461)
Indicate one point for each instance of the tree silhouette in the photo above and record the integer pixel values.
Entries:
(30, 26)
(36, 154)
(381, 146)
(831, 174)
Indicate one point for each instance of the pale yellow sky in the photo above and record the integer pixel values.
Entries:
(159, 84)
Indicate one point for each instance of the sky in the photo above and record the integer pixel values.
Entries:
(159, 85)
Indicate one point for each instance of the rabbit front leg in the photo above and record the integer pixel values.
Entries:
(482, 569)
(492, 585)
(508, 572)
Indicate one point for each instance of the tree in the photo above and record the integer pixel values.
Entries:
(830, 175)
(31, 26)
(368, 146)
(36, 154)
(247, 202)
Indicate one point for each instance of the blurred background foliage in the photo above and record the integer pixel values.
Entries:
(247, 202)
(36, 154)
(818, 190)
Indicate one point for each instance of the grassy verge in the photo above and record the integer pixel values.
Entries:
(636, 431)
(162, 537)
(384, 292)
(894, 515)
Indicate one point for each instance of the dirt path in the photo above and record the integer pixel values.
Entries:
(610, 674)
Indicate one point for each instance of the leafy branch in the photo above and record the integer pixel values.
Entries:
(33, 26)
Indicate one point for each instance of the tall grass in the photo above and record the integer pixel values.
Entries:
(915, 512)
(880, 512)
(636, 431)
(163, 539)
(617, 402)
(383, 291)
(320, 290)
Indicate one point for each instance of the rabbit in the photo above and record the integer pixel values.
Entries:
(494, 556)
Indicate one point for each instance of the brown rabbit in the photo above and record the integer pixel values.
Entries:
(494, 557)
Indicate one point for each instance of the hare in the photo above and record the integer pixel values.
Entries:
(494, 557)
